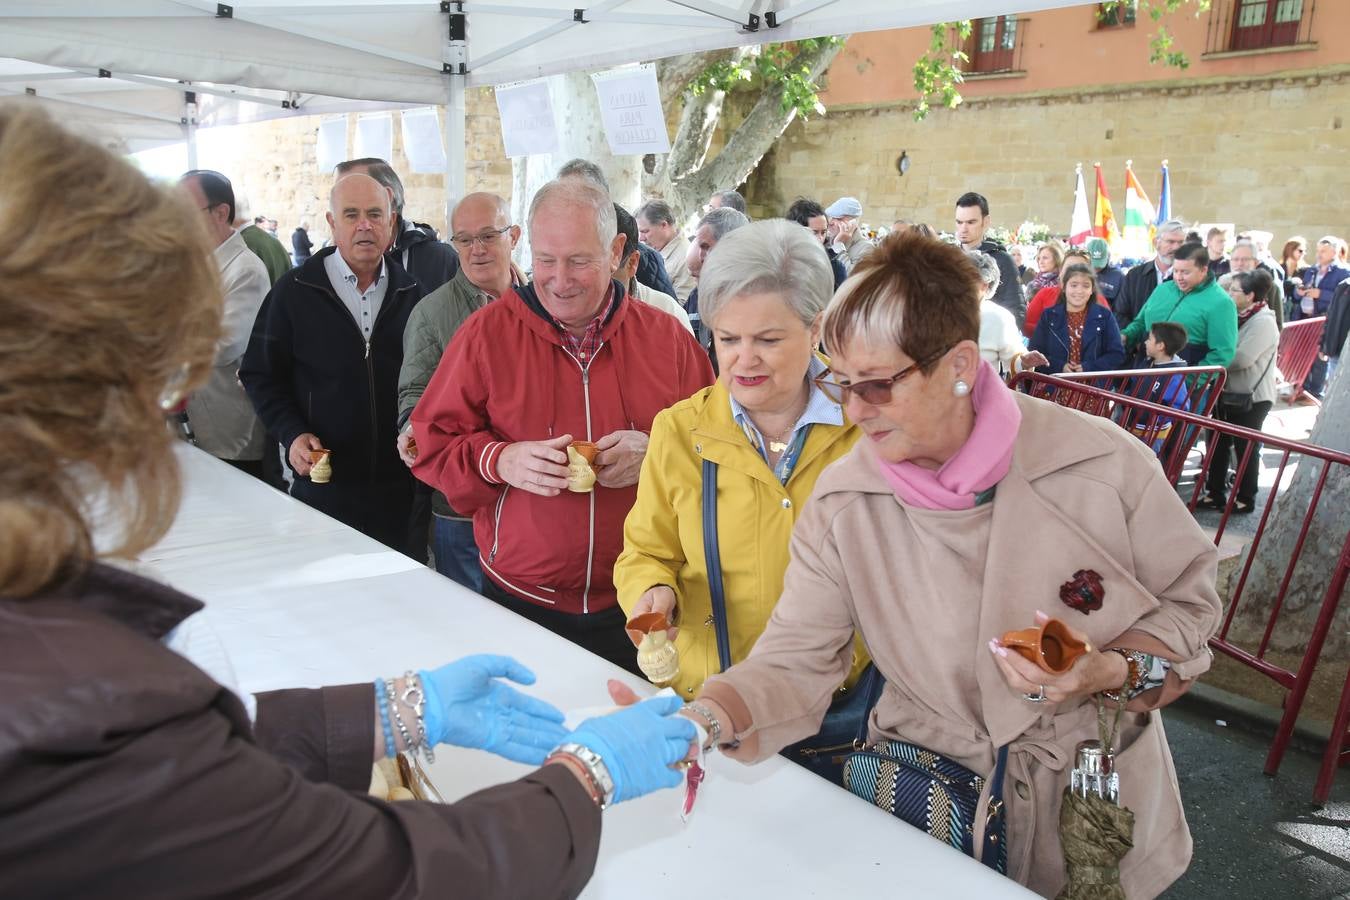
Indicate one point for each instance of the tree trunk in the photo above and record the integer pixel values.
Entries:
(1321, 549)
(581, 133)
(686, 177)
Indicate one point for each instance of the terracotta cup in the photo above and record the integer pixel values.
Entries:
(1049, 646)
(316, 455)
(587, 450)
(648, 622)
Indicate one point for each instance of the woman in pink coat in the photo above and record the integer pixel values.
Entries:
(967, 511)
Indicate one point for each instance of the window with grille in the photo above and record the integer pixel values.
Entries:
(993, 44)
(1266, 23)
(1118, 14)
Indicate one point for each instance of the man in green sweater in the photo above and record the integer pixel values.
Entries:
(1194, 300)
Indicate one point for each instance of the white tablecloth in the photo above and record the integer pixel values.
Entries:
(301, 600)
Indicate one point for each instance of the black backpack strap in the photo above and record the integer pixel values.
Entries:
(713, 556)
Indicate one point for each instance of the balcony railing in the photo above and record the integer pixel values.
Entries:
(996, 45)
(1237, 26)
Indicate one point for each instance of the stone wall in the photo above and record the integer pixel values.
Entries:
(1262, 153)
(1259, 152)
(274, 167)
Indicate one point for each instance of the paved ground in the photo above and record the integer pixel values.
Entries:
(1255, 837)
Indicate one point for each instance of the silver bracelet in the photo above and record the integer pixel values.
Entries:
(415, 696)
(714, 726)
(397, 716)
(595, 768)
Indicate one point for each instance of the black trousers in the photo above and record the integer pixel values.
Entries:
(419, 521)
(601, 633)
(253, 467)
(1228, 454)
(377, 509)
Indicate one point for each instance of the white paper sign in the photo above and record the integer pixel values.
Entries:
(422, 140)
(332, 147)
(630, 106)
(375, 136)
(528, 123)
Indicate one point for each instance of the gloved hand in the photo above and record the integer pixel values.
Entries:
(468, 707)
(639, 744)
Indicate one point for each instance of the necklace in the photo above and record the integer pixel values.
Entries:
(779, 445)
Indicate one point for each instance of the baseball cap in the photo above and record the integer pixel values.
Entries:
(1099, 251)
(844, 206)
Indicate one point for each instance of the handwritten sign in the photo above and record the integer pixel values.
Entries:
(630, 107)
(528, 123)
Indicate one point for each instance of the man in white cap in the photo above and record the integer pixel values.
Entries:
(849, 243)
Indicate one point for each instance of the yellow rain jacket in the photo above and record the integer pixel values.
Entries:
(663, 534)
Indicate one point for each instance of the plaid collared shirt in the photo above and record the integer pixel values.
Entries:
(584, 347)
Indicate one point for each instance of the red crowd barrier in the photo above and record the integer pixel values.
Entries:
(1203, 385)
(1326, 466)
(1299, 345)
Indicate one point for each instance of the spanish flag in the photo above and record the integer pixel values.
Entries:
(1104, 225)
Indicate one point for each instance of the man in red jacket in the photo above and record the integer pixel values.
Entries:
(567, 358)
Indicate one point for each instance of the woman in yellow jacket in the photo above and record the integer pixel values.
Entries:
(768, 431)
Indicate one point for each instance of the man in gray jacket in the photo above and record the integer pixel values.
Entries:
(482, 233)
(221, 416)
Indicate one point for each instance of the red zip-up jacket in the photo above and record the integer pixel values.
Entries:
(507, 377)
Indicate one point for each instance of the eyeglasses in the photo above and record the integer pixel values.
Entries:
(874, 392)
(483, 238)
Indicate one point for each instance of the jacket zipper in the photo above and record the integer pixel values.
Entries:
(497, 525)
(374, 417)
(590, 538)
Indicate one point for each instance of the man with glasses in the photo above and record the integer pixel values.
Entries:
(322, 367)
(483, 236)
(221, 416)
(1244, 259)
(1143, 279)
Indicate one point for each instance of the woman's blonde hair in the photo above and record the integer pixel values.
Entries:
(109, 294)
(1056, 251)
(913, 292)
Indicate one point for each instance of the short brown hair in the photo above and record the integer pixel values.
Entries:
(917, 293)
(1172, 336)
(108, 294)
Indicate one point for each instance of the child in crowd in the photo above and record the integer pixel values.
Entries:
(1163, 344)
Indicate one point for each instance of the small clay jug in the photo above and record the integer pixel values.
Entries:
(580, 473)
(1049, 646)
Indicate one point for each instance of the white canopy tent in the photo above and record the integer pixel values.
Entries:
(258, 59)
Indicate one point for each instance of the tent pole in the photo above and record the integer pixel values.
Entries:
(455, 75)
(190, 127)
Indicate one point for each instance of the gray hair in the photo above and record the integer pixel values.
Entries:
(1226, 279)
(731, 199)
(382, 172)
(773, 256)
(578, 192)
(656, 212)
(989, 272)
(722, 220)
(1172, 225)
(1249, 244)
(585, 169)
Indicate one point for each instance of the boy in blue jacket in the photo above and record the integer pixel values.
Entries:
(1164, 342)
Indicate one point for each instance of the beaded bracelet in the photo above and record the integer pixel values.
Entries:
(382, 704)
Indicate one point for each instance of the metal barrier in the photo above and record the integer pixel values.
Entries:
(1300, 342)
(1203, 384)
(1327, 465)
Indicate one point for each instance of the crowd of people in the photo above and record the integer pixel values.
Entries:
(806, 458)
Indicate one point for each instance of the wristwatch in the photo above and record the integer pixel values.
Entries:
(595, 768)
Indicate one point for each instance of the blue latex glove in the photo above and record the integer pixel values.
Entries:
(639, 744)
(467, 706)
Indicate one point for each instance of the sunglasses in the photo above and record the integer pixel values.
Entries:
(874, 392)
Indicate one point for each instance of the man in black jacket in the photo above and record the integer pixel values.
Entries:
(1141, 280)
(322, 366)
(431, 262)
(972, 224)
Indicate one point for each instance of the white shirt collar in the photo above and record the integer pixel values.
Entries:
(345, 271)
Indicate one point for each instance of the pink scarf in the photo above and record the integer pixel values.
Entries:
(981, 462)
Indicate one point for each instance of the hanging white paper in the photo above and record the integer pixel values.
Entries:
(375, 136)
(332, 148)
(630, 107)
(528, 124)
(422, 140)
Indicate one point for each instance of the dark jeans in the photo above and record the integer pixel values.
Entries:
(252, 467)
(601, 633)
(376, 509)
(456, 553)
(419, 522)
(1228, 454)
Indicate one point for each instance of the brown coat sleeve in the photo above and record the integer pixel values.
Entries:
(325, 734)
(190, 808)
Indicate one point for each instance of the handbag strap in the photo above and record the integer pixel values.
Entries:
(713, 555)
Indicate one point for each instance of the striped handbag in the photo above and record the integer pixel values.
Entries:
(931, 792)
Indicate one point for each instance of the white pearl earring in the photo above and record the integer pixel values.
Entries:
(960, 389)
